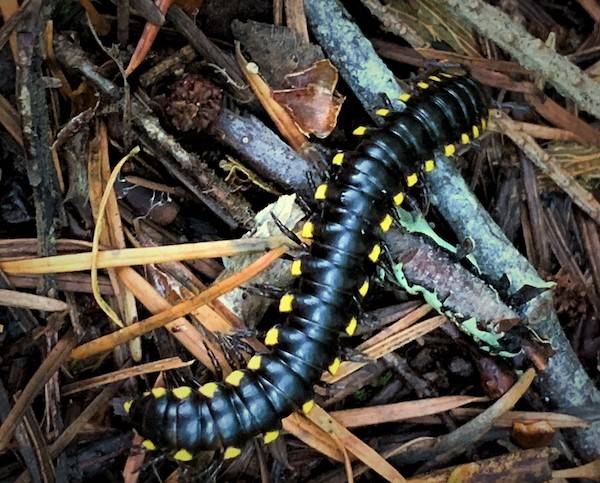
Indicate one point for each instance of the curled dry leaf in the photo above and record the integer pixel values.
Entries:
(311, 99)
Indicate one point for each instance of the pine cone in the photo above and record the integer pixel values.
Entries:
(194, 103)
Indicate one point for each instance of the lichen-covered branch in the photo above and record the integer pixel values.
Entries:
(264, 151)
(35, 126)
(461, 292)
(530, 52)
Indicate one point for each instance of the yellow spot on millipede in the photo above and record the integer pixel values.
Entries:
(235, 378)
(285, 303)
(338, 159)
(429, 165)
(321, 192)
(405, 97)
(360, 131)
(364, 288)
(149, 445)
(398, 199)
(183, 455)
(255, 362)
(182, 392)
(382, 112)
(296, 268)
(272, 337)
(475, 132)
(158, 392)
(270, 436)
(231, 452)
(208, 389)
(127, 406)
(449, 150)
(464, 138)
(412, 179)
(386, 223)
(374, 253)
(351, 327)
(308, 230)
(484, 123)
(435, 78)
(334, 366)
(423, 85)
(307, 406)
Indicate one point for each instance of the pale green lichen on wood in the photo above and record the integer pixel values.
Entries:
(430, 297)
(487, 341)
(418, 224)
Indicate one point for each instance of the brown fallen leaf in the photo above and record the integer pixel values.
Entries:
(311, 99)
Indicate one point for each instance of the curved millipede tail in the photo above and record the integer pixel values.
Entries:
(364, 186)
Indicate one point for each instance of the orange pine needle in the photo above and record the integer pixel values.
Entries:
(182, 309)
(147, 39)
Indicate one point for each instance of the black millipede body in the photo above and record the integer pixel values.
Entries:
(364, 185)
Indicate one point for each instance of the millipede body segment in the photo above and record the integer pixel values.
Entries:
(332, 278)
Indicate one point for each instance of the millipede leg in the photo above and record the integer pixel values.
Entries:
(152, 462)
(234, 359)
(304, 204)
(209, 474)
(312, 184)
(264, 290)
(243, 346)
(289, 233)
(424, 195)
(415, 209)
(214, 361)
(387, 262)
(353, 355)
(369, 321)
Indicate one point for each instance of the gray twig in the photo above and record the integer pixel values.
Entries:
(530, 52)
